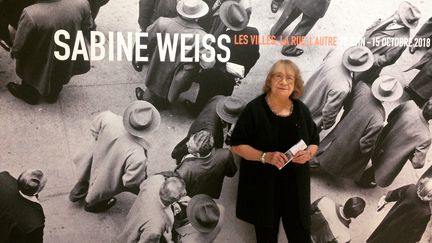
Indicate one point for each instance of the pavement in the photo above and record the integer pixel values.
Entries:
(49, 136)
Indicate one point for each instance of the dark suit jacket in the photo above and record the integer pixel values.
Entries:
(150, 10)
(22, 221)
(313, 8)
(383, 55)
(206, 175)
(207, 120)
(424, 32)
(407, 219)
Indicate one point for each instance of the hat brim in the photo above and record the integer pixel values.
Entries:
(393, 97)
(223, 13)
(204, 10)
(222, 114)
(402, 17)
(156, 118)
(364, 67)
(191, 216)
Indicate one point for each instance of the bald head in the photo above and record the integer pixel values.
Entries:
(172, 190)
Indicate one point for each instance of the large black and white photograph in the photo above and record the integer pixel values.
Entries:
(219, 121)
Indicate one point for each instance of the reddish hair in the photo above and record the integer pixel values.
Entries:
(288, 64)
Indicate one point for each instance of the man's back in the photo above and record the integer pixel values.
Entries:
(21, 219)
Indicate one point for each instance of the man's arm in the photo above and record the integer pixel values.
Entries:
(418, 158)
(332, 107)
(36, 236)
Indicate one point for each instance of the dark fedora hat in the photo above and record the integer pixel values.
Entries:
(203, 213)
(233, 15)
(229, 108)
(141, 118)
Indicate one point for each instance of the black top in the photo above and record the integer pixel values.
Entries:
(21, 220)
(260, 128)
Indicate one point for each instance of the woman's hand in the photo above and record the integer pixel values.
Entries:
(276, 158)
(302, 157)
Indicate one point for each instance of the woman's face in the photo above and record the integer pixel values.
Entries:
(282, 81)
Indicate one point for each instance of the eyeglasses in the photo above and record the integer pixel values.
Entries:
(280, 76)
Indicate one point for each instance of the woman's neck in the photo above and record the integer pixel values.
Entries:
(279, 105)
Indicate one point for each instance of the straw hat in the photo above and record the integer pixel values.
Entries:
(140, 118)
(386, 88)
(409, 14)
(229, 109)
(358, 58)
(192, 9)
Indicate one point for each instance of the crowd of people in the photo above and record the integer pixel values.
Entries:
(364, 143)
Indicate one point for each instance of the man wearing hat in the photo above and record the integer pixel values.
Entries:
(407, 220)
(396, 26)
(21, 215)
(118, 161)
(330, 221)
(204, 168)
(420, 88)
(405, 137)
(162, 82)
(151, 216)
(217, 117)
(346, 150)
(204, 221)
(43, 74)
(220, 80)
(327, 88)
(311, 10)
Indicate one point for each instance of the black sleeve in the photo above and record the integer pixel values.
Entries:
(312, 130)
(396, 194)
(36, 236)
(244, 128)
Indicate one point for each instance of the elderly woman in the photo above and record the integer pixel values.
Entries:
(270, 125)
(407, 219)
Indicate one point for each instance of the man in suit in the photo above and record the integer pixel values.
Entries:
(420, 88)
(347, 149)
(330, 221)
(411, 212)
(151, 218)
(221, 80)
(43, 74)
(312, 11)
(396, 26)
(405, 137)
(217, 117)
(163, 84)
(205, 167)
(21, 215)
(327, 88)
(118, 159)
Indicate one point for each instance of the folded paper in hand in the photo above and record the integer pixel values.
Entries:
(300, 145)
(235, 69)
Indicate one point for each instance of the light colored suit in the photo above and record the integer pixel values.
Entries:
(327, 88)
(148, 218)
(116, 162)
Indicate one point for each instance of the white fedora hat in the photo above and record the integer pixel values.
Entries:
(387, 88)
(358, 58)
(192, 9)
